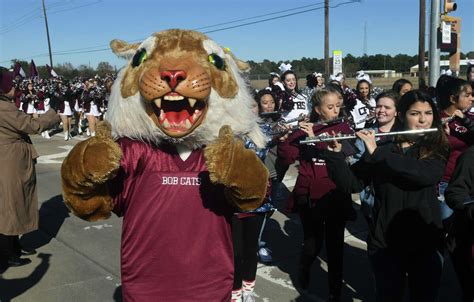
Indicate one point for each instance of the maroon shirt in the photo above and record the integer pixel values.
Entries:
(176, 235)
(459, 139)
(313, 179)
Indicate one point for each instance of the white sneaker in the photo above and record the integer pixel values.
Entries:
(45, 134)
(264, 255)
(88, 132)
(79, 130)
(66, 136)
(248, 297)
(92, 133)
(42, 134)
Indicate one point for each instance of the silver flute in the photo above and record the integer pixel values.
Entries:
(327, 138)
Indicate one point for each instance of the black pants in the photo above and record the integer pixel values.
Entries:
(280, 169)
(245, 233)
(325, 220)
(461, 256)
(392, 269)
(9, 247)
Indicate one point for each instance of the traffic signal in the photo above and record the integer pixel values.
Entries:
(449, 6)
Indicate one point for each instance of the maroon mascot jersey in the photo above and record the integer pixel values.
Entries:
(161, 197)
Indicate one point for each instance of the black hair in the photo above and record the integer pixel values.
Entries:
(468, 72)
(260, 94)
(270, 80)
(448, 86)
(358, 86)
(398, 84)
(433, 144)
(311, 81)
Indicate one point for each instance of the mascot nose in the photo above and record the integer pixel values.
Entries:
(173, 77)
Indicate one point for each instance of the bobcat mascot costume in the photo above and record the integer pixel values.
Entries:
(171, 161)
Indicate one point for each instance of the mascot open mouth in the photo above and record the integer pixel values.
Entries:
(178, 115)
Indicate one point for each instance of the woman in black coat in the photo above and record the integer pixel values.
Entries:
(406, 239)
(460, 197)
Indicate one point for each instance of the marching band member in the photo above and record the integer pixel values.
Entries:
(407, 238)
(386, 121)
(460, 197)
(323, 208)
(454, 98)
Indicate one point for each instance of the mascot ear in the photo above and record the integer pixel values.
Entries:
(243, 66)
(123, 49)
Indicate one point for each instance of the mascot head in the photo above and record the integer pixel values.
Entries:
(182, 87)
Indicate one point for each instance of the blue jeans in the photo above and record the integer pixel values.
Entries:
(392, 269)
(446, 211)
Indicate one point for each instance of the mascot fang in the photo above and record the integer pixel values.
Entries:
(170, 160)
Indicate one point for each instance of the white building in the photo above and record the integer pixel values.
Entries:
(444, 65)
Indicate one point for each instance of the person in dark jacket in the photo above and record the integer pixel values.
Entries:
(18, 197)
(322, 207)
(460, 197)
(406, 240)
(455, 99)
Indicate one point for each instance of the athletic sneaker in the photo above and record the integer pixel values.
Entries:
(248, 297)
(264, 255)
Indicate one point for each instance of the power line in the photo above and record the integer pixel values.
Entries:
(255, 17)
(37, 14)
(282, 16)
(101, 48)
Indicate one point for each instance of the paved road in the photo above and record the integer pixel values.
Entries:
(79, 261)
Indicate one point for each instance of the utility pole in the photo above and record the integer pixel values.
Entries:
(421, 44)
(47, 34)
(326, 38)
(434, 57)
(365, 38)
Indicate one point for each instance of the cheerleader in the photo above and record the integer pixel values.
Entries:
(63, 97)
(364, 109)
(273, 79)
(323, 208)
(41, 107)
(293, 106)
(29, 99)
(78, 107)
(407, 239)
(90, 98)
(294, 103)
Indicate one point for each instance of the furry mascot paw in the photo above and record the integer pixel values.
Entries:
(238, 169)
(85, 172)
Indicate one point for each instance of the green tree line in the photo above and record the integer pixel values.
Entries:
(350, 63)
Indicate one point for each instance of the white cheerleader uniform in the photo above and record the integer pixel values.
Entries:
(67, 109)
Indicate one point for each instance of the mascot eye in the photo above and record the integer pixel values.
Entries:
(139, 57)
(217, 61)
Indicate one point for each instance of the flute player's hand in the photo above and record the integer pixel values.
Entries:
(334, 145)
(368, 137)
